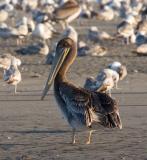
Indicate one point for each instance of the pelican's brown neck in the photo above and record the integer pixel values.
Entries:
(67, 63)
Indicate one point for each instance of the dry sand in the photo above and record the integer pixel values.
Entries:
(31, 129)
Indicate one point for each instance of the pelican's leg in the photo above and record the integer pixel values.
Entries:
(73, 136)
(89, 137)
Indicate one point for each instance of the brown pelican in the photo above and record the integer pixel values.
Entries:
(81, 108)
(67, 12)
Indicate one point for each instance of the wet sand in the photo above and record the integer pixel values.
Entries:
(32, 129)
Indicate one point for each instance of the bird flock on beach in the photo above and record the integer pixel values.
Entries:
(43, 21)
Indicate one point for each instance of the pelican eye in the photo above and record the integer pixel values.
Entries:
(66, 44)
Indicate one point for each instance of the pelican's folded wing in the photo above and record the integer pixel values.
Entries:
(77, 98)
(77, 101)
(106, 109)
(103, 103)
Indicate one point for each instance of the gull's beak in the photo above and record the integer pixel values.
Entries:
(57, 63)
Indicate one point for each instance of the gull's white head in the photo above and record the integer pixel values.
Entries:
(115, 64)
(71, 33)
(94, 29)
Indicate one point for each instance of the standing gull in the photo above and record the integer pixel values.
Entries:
(12, 75)
(104, 82)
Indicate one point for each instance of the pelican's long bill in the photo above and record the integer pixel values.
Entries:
(57, 63)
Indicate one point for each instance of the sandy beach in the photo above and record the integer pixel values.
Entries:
(31, 129)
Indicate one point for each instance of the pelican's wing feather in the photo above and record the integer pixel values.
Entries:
(106, 109)
(103, 103)
(78, 102)
(77, 99)
(92, 106)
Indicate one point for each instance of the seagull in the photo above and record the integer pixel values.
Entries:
(43, 31)
(104, 82)
(95, 35)
(12, 75)
(22, 29)
(36, 48)
(126, 30)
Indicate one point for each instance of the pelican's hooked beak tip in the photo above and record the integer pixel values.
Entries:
(43, 95)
